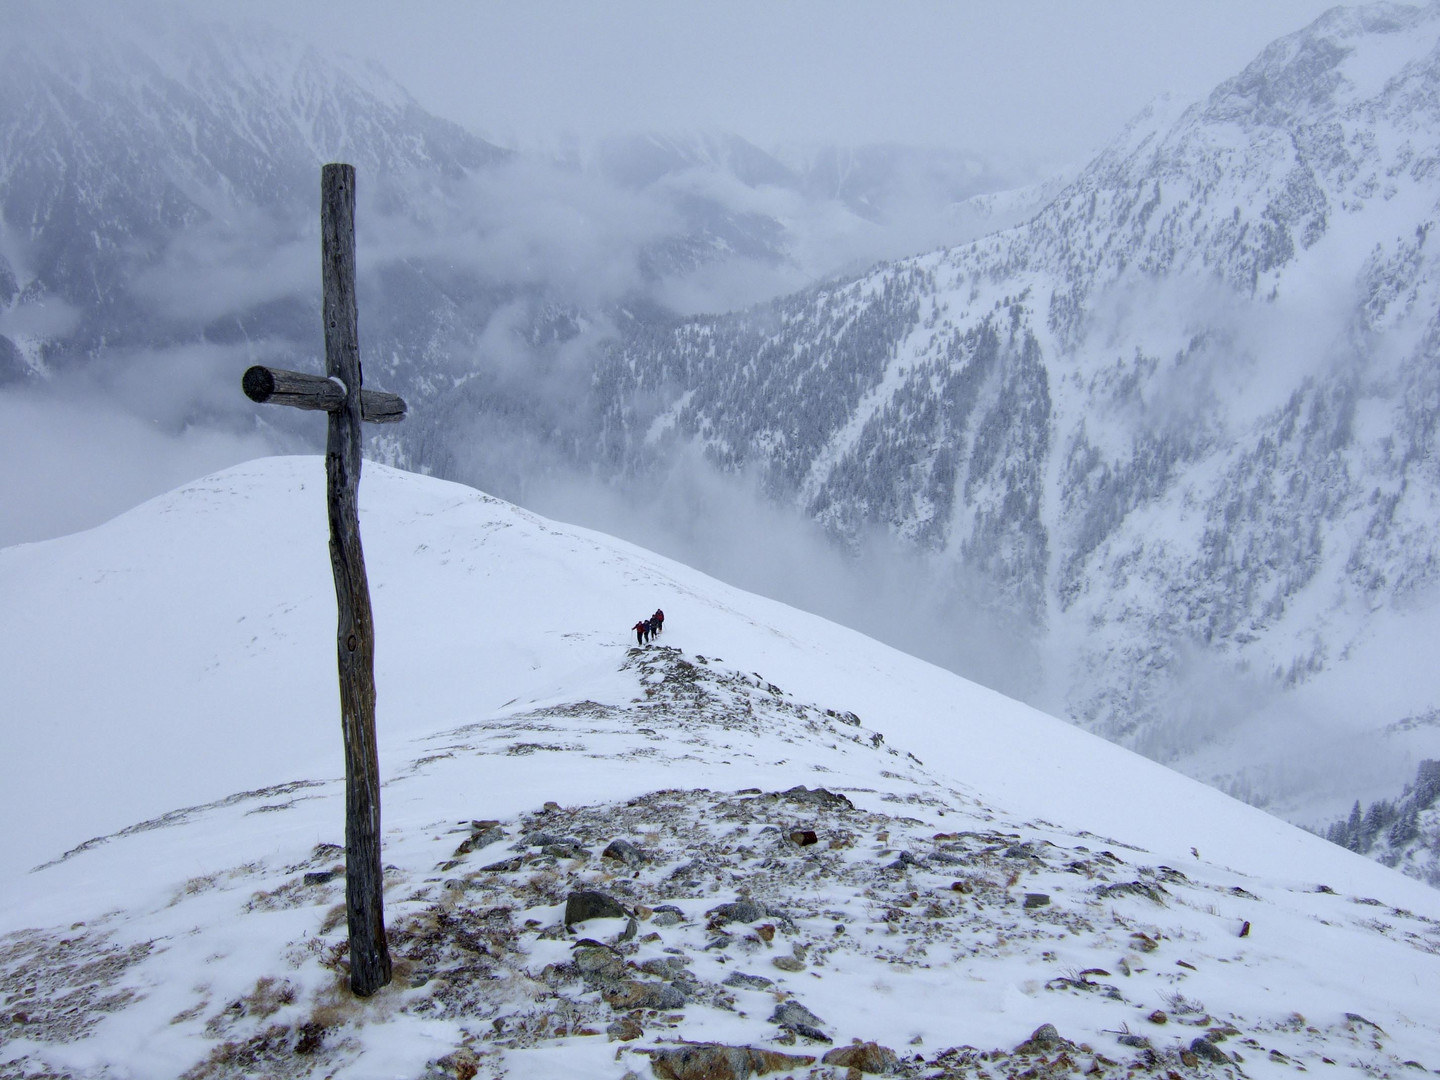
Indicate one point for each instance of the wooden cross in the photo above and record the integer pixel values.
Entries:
(340, 394)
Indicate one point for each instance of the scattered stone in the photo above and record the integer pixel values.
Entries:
(788, 963)
(592, 904)
(905, 860)
(1356, 1018)
(818, 797)
(742, 911)
(565, 850)
(626, 1029)
(1206, 1050)
(461, 1065)
(666, 967)
(803, 837)
(716, 1061)
(482, 834)
(765, 932)
(1036, 900)
(1045, 1039)
(625, 852)
(598, 964)
(868, 1057)
(1138, 1042)
(792, 1016)
(1158, 1017)
(319, 877)
(633, 994)
(749, 982)
(666, 915)
(1154, 893)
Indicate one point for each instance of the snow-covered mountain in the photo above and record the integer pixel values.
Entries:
(1183, 420)
(813, 838)
(1168, 444)
(158, 179)
(149, 145)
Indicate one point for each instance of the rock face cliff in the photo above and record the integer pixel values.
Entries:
(1184, 418)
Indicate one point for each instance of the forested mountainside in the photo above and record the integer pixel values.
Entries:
(1400, 832)
(1184, 418)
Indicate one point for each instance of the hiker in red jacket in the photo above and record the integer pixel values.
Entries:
(640, 628)
(657, 621)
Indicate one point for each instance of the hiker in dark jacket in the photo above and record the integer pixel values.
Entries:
(657, 621)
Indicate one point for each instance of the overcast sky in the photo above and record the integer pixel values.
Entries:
(1045, 79)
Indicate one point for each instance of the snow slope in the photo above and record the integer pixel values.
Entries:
(172, 749)
(1182, 419)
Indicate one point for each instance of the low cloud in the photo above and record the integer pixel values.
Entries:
(74, 464)
(724, 525)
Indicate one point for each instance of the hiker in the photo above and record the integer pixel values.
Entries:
(641, 628)
(658, 621)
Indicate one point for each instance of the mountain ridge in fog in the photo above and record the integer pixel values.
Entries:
(1159, 451)
(1183, 419)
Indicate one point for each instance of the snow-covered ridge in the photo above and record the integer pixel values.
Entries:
(1182, 418)
(909, 859)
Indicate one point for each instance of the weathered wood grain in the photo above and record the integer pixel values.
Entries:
(355, 635)
(276, 386)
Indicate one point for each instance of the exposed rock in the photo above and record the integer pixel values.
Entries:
(716, 1061)
(633, 994)
(742, 911)
(597, 965)
(625, 852)
(482, 834)
(1036, 899)
(788, 963)
(1045, 1039)
(793, 1016)
(868, 1057)
(1356, 1018)
(666, 967)
(1154, 893)
(565, 850)
(592, 904)
(749, 982)
(1207, 1051)
(818, 797)
(626, 1029)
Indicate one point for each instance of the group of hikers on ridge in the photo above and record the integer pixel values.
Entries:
(646, 629)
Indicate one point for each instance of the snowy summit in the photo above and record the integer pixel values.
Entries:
(761, 844)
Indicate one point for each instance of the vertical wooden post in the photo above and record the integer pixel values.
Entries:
(364, 875)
